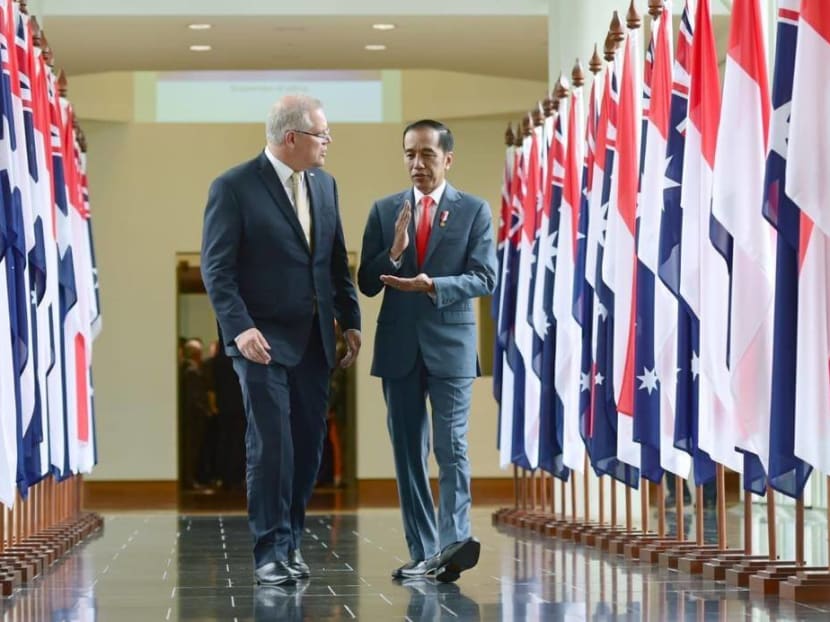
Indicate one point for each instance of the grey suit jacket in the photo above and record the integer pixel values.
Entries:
(460, 259)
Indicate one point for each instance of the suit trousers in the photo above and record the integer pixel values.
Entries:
(408, 423)
(285, 409)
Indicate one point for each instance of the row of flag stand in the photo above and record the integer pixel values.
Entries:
(47, 436)
(534, 509)
(536, 495)
(42, 529)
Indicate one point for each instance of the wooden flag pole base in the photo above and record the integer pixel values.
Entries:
(21, 566)
(634, 550)
(692, 562)
(806, 587)
(740, 574)
(768, 581)
(671, 558)
(604, 539)
(583, 527)
(588, 536)
(718, 569)
(537, 522)
(497, 518)
(34, 554)
(504, 516)
(10, 579)
(650, 552)
(568, 529)
(617, 544)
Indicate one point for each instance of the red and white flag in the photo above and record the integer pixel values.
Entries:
(704, 274)
(621, 244)
(737, 199)
(524, 312)
(568, 335)
(808, 162)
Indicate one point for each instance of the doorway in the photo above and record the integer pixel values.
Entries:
(211, 418)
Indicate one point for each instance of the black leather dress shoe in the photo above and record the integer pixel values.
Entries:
(414, 569)
(296, 564)
(457, 558)
(274, 573)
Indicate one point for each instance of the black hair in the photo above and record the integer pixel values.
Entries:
(445, 139)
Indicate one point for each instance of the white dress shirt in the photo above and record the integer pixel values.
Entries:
(284, 172)
(416, 213)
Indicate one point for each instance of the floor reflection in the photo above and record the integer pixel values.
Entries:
(170, 567)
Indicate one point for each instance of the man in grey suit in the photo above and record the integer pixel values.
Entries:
(275, 267)
(425, 345)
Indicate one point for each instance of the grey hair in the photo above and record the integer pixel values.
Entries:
(290, 112)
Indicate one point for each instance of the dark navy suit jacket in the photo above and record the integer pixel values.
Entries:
(460, 259)
(259, 270)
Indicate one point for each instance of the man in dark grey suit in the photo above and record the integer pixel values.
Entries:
(425, 343)
(275, 267)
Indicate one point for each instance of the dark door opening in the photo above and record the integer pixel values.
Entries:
(211, 417)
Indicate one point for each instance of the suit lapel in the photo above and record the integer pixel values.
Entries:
(315, 199)
(411, 253)
(277, 191)
(445, 207)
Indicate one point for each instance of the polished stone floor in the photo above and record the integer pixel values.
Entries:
(171, 567)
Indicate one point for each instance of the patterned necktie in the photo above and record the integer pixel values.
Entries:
(424, 229)
(301, 205)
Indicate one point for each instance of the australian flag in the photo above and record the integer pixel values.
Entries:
(688, 329)
(787, 473)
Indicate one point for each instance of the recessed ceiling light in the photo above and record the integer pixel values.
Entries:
(375, 47)
(200, 26)
(384, 26)
(200, 48)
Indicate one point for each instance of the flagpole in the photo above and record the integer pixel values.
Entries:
(799, 530)
(586, 483)
(679, 489)
(771, 536)
(661, 510)
(699, 515)
(720, 483)
(747, 521)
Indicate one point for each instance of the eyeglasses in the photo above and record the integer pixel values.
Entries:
(324, 136)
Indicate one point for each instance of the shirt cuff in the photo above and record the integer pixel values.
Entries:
(396, 264)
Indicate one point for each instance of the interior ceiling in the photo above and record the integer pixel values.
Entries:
(508, 46)
(502, 46)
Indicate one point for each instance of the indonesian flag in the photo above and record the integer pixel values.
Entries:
(568, 342)
(737, 199)
(808, 163)
(622, 248)
(704, 273)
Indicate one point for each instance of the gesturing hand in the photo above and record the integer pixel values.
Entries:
(419, 283)
(401, 241)
(253, 346)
